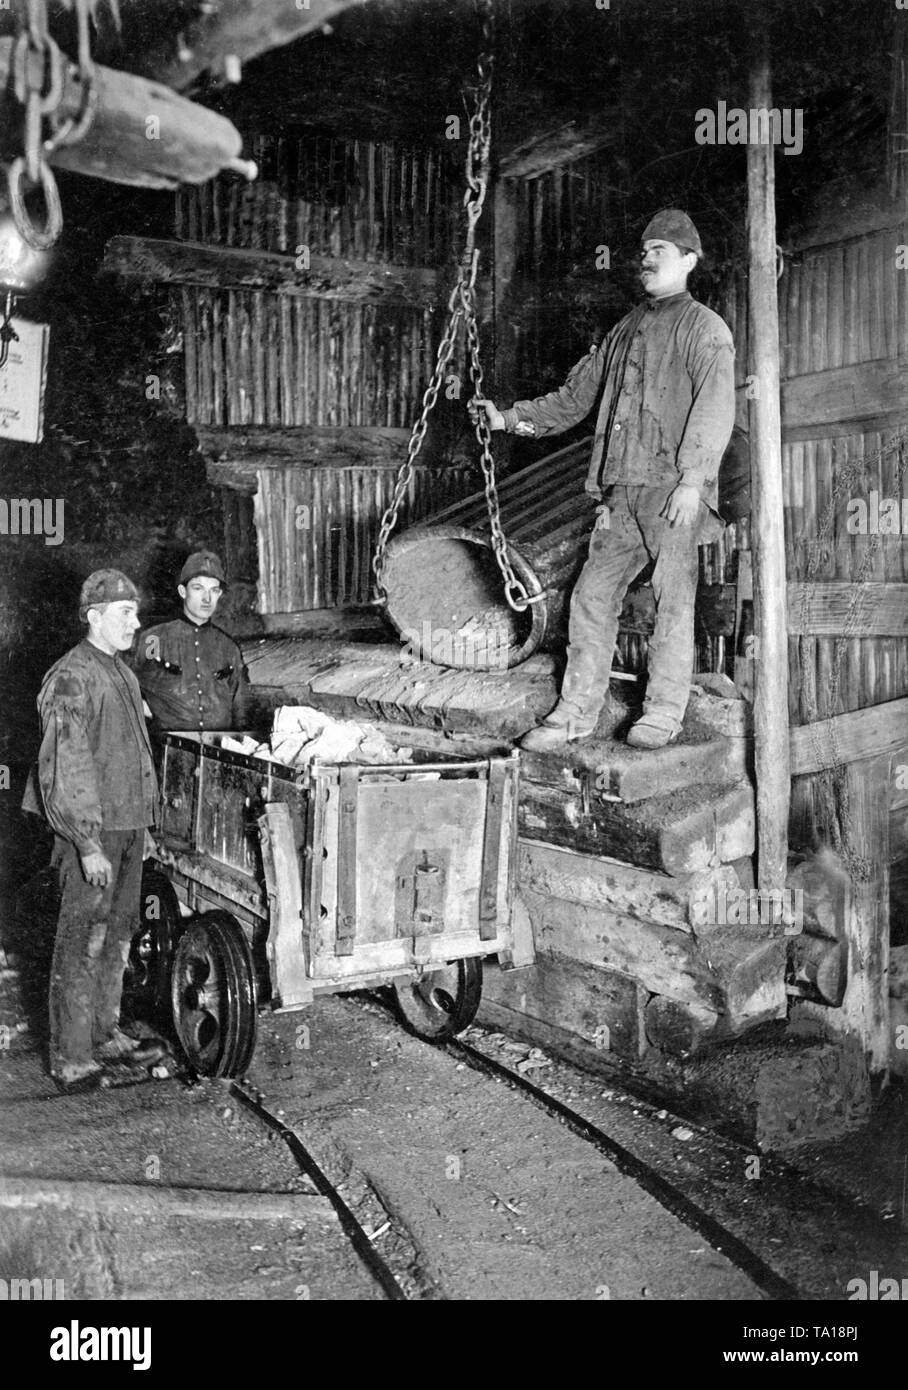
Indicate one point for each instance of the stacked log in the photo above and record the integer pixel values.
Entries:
(636, 871)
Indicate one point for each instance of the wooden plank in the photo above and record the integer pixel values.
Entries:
(552, 149)
(640, 894)
(677, 833)
(601, 1008)
(771, 666)
(664, 960)
(236, 455)
(860, 391)
(820, 609)
(288, 946)
(156, 1202)
(340, 679)
(209, 873)
(151, 260)
(633, 775)
(863, 733)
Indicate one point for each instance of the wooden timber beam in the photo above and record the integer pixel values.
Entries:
(842, 400)
(154, 261)
(863, 390)
(877, 731)
(552, 149)
(771, 751)
(236, 455)
(820, 610)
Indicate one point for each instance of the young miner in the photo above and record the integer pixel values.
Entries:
(663, 379)
(96, 785)
(190, 671)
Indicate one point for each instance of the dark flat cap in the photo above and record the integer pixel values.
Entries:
(671, 224)
(105, 586)
(203, 562)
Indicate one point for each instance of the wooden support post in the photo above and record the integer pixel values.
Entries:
(864, 1013)
(865, 1008)
(771, 675)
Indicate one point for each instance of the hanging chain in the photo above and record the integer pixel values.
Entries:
(74, 128)
(39, 73)
(462, 310)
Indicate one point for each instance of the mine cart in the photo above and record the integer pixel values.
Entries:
(275, 884)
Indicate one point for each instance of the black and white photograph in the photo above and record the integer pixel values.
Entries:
(454, 671)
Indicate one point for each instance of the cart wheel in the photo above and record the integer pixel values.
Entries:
(214, 996)
(146, 982)
(438, 1005)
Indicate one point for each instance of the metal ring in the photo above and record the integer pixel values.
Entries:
(38, 239)
(75, 128)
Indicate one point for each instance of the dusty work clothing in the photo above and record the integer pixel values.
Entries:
(95, 768)
(636, 534)
(94, 930)
(192, 676)
(664, 380)
(96, 786)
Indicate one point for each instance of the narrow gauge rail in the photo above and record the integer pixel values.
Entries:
(359, 1238)
(666, 1193)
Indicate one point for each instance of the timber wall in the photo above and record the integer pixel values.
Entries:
(843, 315)
(258, 357)
(332, 358)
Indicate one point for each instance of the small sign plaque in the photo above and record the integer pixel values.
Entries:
(22, 382)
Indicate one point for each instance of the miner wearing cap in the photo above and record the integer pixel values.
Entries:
(95, 783)
(191, 673)
(662, 385)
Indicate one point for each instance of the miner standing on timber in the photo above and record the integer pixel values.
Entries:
(96, 785)
(664, 379)
(190, 671)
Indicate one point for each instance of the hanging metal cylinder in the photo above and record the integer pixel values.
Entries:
(141, 133)
(444, 591)
(443, 587)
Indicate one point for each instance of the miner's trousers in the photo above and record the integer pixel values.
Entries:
(635, 532)
(94, 930)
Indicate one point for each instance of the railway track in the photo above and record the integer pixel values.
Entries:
(397, 1284)
(666, 1193)
(687, 1199)
(392, 1285)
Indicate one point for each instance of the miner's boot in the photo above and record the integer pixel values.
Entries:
(564, 725)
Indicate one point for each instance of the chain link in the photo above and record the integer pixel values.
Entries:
(75, 128)
(462, 311)
(39, 73)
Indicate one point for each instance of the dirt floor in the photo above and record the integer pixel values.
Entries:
(468, 1189)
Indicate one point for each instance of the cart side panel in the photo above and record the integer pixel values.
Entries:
(179, 790)
(231, 797)
(419, 858)
(419, 852)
